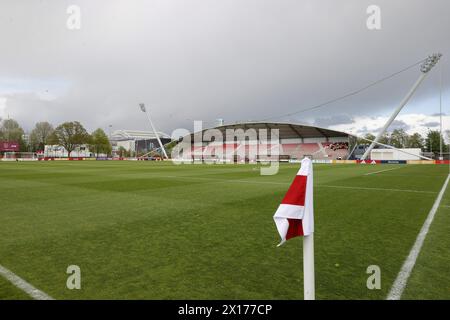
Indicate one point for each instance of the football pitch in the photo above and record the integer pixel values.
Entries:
(153, 230)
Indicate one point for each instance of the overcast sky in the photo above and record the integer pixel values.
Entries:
(233, 59)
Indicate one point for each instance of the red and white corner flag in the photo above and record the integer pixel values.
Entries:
(295, 217)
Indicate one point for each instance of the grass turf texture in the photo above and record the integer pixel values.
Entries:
(146, 230)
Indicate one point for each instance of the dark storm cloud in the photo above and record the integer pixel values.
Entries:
(438, 114)
(200, 59)
(399, 124)
(431, 124)
(329, 121)
(396, 125)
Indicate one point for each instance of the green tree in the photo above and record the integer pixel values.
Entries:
(53, 139)
(385, 139)
(399, 138)
(100, 142)
(432, 142)
(71, 135)
(10, 130)
(40, 135)
(123, 152)
(368, 136)
(415, 141)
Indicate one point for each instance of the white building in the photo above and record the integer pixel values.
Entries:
(55, 151)
(143, 141)
(396, 154)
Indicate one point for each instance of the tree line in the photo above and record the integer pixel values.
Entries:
(398, 138)
(69, 135)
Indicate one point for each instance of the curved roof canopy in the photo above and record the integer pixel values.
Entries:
(286, 130)
(121, 135)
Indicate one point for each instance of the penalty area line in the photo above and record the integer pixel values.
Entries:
(368, 174)
(23, 285)
(402, 278)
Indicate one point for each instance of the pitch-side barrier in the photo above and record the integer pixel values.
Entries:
(326, 161)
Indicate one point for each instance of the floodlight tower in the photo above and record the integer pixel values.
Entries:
(425, 68)
(153, 128)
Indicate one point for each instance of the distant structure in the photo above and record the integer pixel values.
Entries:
(134, 141)
(396, 154)
(219, 122)
(56, 151)
(9, 146)
(295, 142)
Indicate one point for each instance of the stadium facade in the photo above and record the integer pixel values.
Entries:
(136, 140)
(255, 141)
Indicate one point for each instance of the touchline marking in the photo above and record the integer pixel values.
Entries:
(225, 180)
(367, 174)
(23, 285)
(287, 183)
(376, 189)
(403, 276)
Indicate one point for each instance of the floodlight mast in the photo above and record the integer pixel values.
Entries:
(425, 68)
(154, 130)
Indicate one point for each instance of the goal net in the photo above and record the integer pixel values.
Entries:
(19, 156)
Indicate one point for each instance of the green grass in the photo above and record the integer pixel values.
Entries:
(9, 292)
(431, 276)
(146, 230)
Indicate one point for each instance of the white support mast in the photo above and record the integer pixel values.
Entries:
(154, 130)
(440, 113)
(425, 67)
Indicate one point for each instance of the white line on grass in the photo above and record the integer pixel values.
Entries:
(402, 277)
(367, 174)
(287, 183)
(23, 285)
(376, 189)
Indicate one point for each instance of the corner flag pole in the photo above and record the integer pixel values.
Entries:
(309, 287)
(309, 290)
(295, 217)
(154, 130)
(429, 63)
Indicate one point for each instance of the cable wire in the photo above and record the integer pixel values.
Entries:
(346, 95)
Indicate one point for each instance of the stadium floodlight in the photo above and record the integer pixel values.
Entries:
(425, 68)
(430, 62)
(143, 109)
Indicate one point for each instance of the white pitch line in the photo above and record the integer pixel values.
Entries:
(287, 183)
(403, 276)
(375, 189)
(367, 174)
(23, 285)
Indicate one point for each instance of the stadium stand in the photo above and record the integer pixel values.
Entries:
(296, 141)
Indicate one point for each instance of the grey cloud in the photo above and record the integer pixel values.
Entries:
(431, 124)
(399, 124)
(329, 121)
(395, 125)
(201, 59)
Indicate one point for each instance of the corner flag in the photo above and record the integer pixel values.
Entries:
(295, 217)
